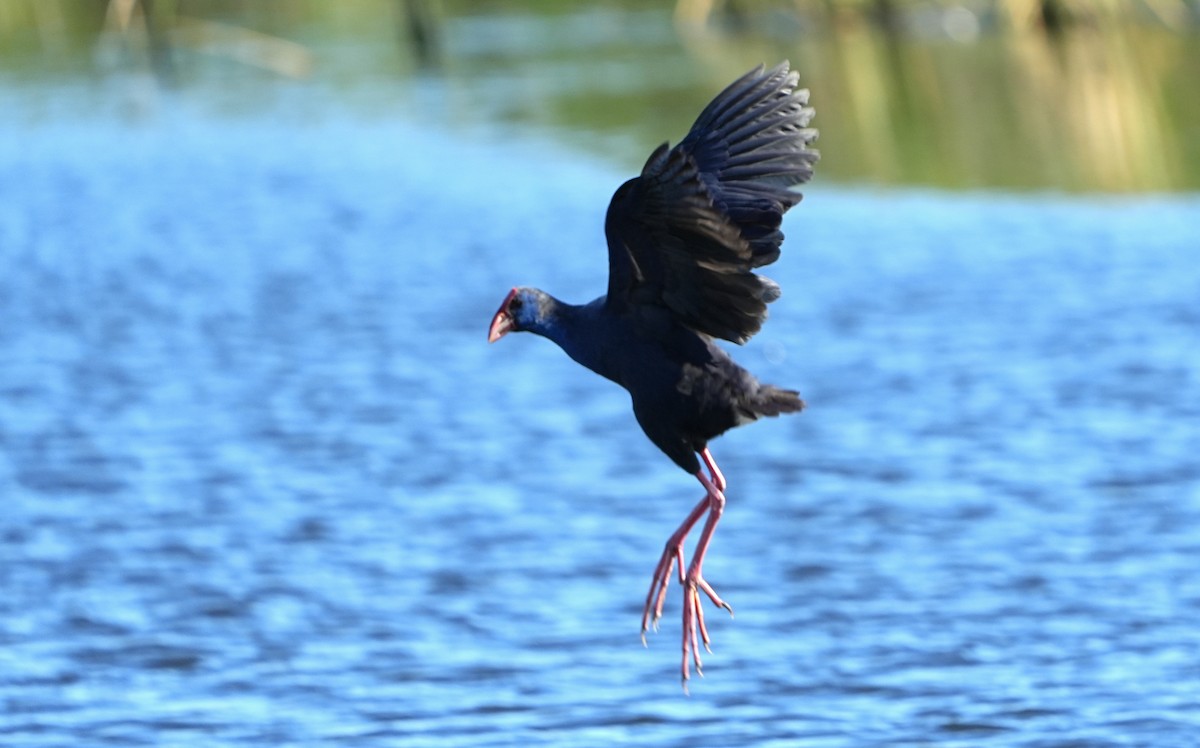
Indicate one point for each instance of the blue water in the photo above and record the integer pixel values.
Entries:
(264, 483)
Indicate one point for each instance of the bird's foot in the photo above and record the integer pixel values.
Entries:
(671, 557)
(695, 632)
(652, 612)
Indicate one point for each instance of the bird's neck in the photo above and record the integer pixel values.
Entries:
(574, 327)
(556, 320)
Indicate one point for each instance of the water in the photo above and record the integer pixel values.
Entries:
(265, 483)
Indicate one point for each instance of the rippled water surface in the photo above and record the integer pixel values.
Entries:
(265, 483)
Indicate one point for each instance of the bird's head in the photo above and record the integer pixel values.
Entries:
(522, 310)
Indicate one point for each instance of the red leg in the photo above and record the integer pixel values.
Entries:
(713, 470)
(673, 552)
(694, 630)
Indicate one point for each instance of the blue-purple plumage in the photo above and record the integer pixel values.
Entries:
(684, 239)
(685, 389)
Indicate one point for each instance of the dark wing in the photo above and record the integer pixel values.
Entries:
(688, 232)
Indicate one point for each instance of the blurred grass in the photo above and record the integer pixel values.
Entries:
(1080, 95)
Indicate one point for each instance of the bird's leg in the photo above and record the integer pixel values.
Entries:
(672, 554)
(694, 630)
(713, 470)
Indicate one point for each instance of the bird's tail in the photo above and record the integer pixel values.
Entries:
(772, 401)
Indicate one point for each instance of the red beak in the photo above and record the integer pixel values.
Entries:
(503, 321)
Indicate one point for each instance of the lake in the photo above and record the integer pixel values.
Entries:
(265, 483)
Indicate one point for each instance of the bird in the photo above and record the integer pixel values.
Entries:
(685, 238)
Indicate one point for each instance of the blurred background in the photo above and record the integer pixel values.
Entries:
(1081, 95)
(263, 482)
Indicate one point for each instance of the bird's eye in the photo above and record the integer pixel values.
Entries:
(516, 303)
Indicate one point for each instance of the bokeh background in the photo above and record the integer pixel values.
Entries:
(263, 482)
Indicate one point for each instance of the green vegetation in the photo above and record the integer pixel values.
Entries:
(1095, 95)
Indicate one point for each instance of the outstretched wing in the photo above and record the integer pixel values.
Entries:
(687, 234)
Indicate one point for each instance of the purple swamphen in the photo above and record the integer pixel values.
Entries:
(684, 239)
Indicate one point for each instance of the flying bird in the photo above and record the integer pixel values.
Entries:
(684, 240)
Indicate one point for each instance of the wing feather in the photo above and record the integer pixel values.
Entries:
(688, 232)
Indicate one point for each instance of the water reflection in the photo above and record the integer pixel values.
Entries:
(952, 97)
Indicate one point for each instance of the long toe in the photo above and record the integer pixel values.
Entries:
(657, 595)
(695, 631)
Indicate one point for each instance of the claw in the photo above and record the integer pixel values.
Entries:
(712, 595)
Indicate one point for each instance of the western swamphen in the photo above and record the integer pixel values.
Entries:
(684, 239)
